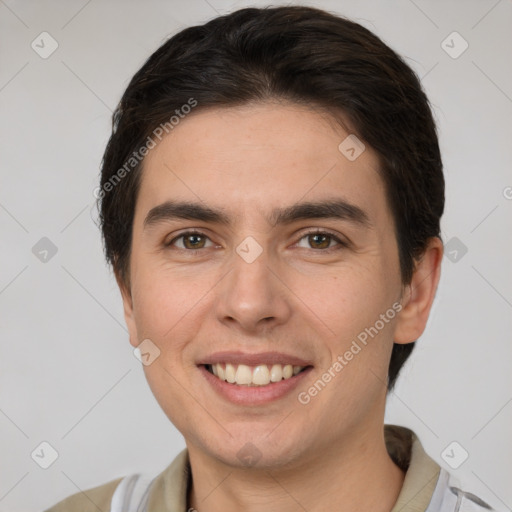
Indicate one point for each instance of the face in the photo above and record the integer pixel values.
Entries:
(260, 250)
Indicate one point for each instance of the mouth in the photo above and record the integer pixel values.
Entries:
(254, 375)
(254, 379)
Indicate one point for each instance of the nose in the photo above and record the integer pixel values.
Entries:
(253, 297)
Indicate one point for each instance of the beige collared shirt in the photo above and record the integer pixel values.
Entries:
(169, 490)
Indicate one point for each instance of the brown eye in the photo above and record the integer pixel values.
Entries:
(193, 241)
(190, 241)
(319, 241)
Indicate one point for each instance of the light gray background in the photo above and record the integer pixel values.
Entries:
(67, 372)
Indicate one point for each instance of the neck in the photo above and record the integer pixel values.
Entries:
(356, 474)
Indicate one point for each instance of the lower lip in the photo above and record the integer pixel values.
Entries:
(254, 395)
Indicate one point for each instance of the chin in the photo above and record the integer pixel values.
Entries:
(252, 450)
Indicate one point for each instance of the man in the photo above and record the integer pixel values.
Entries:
(270, 204)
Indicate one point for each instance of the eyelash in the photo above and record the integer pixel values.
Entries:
(341, 244)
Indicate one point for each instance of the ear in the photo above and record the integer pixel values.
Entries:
(419, 294)
(126, 295)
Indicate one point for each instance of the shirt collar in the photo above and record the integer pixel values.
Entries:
(422, 472)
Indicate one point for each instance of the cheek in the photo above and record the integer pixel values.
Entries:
(346, 301)
(357, 307)
(152, 305)
(161, 299)
(169, 309)
(163, 310)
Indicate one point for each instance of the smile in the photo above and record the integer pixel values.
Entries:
(256, 375)
(251, 379)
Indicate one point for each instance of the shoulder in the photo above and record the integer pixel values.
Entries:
(90, 500)
(448, 496)
(427, 486)
(169, 488)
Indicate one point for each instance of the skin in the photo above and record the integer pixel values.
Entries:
(297, 297)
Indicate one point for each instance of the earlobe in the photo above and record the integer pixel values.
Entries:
(419, 294)
(126, 296)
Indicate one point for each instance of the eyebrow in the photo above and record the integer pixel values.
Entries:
(338, 209)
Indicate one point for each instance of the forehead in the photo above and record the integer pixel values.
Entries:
(260, 157)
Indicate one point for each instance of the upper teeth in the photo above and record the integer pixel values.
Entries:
(259, 375)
